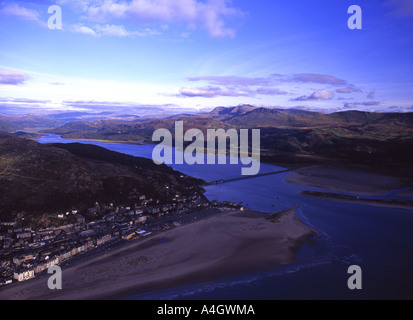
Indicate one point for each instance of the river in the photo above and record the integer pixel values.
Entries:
(378, 239)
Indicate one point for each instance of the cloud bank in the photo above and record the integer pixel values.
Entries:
(235, 86)
(10, 77)
(213, 16)
(354, 105)
(212, 92)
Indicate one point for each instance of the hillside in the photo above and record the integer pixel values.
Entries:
(287, 136)
(37, 179)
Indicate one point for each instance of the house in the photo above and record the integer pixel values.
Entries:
(141, 219)
(23, 235)
(8, 224)
(23, 275)
(7, 243)
(18, 260)
(139, 211)
(5, 281)
(46, 265)
(103, 239)
(87, 233)
(4, 264)
(80, 219)
(110, 216)
(65, 255)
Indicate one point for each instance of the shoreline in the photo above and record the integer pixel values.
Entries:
(232, 243)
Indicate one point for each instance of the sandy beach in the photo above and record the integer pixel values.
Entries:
(347, 180)
(228, 244)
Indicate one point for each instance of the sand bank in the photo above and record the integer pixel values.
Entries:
(391, 203)
(346, 180)
(221, 246)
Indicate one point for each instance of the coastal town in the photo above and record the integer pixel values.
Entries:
(26, 252)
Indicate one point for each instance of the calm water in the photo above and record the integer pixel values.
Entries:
(378, 239)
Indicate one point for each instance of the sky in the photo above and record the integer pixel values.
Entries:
(168, 56)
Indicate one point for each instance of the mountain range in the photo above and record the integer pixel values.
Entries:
(287, 135)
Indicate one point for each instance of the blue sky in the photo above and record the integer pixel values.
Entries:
(186, 55)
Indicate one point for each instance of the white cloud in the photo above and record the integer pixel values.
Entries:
(349, 89)
(11, 77)
(317, 78)
(357, 105)
(209, 92)
(237, 91)
(211, 15)
(83, 30)
(111, 30)
(22, 13)
(318, 95)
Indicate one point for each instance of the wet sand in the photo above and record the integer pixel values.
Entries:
(221, 246)
(407, 193)
(347, 180)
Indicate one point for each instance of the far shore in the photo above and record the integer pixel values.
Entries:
(106, 141)
(231, 243)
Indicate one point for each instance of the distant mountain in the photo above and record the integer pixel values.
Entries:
(223, 113)
(263, 117)
(355, 117)
(13, 123)
(247, 116)
(96, 125)
(88, 116)
(6, 126)
(238, 117)
(135, 131)
(37, 179)
(112, 130)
